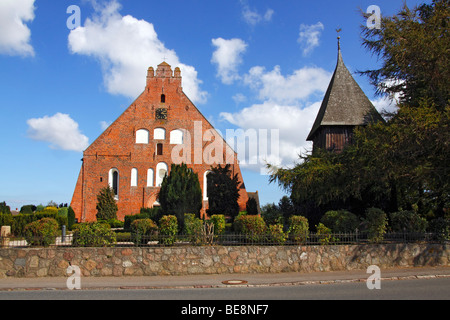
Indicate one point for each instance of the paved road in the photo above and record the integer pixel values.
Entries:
(416, 289)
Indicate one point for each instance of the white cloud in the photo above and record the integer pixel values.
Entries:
(15, 35)
(227, 57)
(59, 130)
(105, 124)
(239, 98)
(273, 86)
(252, 17)
(126, 47)
(292, 122)
(309, 36)
(289, 105)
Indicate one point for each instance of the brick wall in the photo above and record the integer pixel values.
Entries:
(116, 148)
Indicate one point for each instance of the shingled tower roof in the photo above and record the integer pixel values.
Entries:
(344, 104)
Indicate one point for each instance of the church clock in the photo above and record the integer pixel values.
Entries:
(161, 114)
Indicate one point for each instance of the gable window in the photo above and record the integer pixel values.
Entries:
(150, 178)
(161, 170)
(142, 136)
(134, 177)
(113, 181)
(159, 149)
(159, 134)
(176, 137)
(205, 185)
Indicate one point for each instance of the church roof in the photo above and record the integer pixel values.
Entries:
(344, 104)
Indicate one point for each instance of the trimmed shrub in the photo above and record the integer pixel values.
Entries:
(41, 232)
(193, 228)
(93, 234)
(298, 228)
(375, 224)
(253, 227)
(323, 234)
(276, 234)
(142, 231)
(168, 228)
(408, 221)
(218, 220)
(340, 221)
(49, 210)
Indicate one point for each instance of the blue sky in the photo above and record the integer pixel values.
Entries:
(248, 64)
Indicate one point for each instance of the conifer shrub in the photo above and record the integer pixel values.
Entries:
(106, 204)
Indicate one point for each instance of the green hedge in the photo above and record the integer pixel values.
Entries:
(19, 222)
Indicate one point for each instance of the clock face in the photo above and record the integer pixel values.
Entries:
(161, 114)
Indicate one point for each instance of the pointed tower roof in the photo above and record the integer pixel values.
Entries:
(344, 104)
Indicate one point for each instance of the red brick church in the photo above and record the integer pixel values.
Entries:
(162, 126)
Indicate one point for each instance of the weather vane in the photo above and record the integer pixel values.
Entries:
(339, 37)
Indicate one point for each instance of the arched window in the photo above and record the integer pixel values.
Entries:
(161, 170)
(159, 134)
(134, 177)
(150, 178)
(205, 185)
(142, 136)
(163, 98)
(176, 137)
(113, 181)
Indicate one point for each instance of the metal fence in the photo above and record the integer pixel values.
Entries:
(132, 240)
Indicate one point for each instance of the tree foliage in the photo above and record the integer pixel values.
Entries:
(403, 163)
(106, 204)
(223, 191)
(180, 193)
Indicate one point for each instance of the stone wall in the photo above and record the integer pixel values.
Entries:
(40, 262)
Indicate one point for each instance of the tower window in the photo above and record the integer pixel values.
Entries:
(163, 98)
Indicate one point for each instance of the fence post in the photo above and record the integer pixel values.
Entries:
(63, 234)
(5, 234)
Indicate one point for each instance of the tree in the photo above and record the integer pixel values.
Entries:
(106, 204)
(180, 193)
(252, 206)
(223, 191)
(400, 164)
(413, 46)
